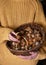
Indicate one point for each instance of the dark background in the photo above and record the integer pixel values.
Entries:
(44, 5)
(43, 62)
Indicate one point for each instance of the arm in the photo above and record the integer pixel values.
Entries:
(40, 19)
(4, 32)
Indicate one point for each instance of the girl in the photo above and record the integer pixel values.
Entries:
(14, 13)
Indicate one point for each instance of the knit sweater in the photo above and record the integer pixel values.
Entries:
(14, 13)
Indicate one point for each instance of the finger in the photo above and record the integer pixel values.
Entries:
(26, 57)
(15, 33)
(12, 38)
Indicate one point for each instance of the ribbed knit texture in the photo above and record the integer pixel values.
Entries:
(14, 13)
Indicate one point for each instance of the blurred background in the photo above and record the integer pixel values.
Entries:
(43, 62)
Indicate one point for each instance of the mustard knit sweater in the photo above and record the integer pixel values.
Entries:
(14, 13)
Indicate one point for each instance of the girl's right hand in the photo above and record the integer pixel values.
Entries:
(13, 37)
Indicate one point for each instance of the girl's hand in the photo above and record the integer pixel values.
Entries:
(13, 37)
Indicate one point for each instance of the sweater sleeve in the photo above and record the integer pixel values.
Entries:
(4, 32)
(40, 19)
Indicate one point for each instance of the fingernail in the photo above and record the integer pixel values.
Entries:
(14, 33)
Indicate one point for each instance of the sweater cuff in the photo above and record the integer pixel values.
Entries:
(4, 33)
